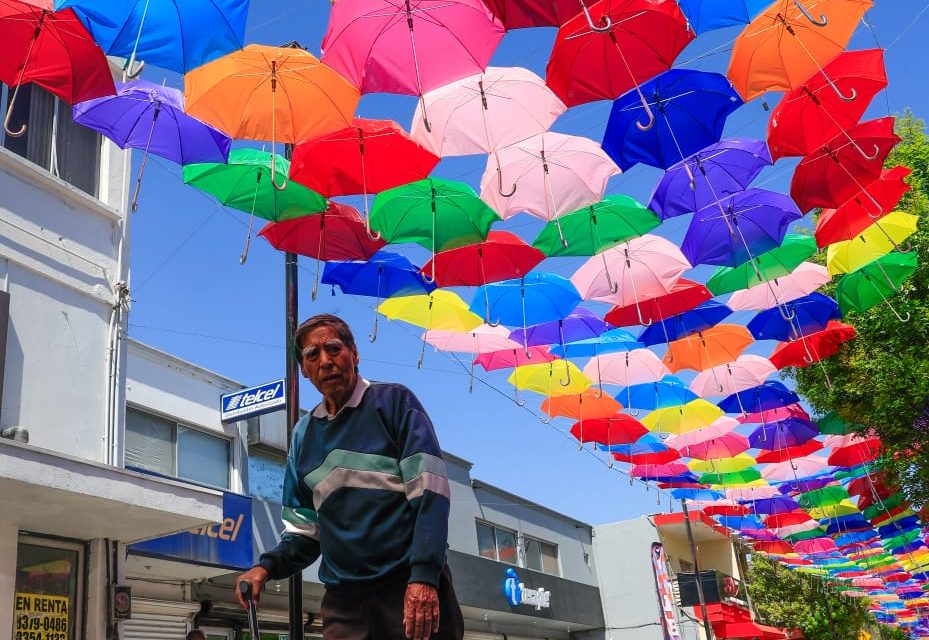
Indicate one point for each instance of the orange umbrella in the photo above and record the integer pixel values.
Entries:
(590, 405)
(281, 94)
(713, 347)
(791, 41)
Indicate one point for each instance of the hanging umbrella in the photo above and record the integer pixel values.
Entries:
(825, 497)
(666, 472)
(697, 497)
(706, 15)
(807, 117)
(809, 314)
(739, 227)
(802, 281)
(590, 404)
(767, 395)
(776, 263)
(626, 369)
(715, 346)
(482, 339)
(802, 467)
(58, 54)
(882, 237)
(744, 478)
(611, 48)
(667, 392)
(839, 170)
(596, 227)
(718, 429)
(179, 35)
(557, 378)
(611, 341)
(743, 373)
(707, 315)
(533, 299)
(509, 358)
(876, 282)
(724, 464)
(580, 324)
(713, 173)
(695, 414)
(519, 14)
(813, 347)
(502, 256)
(832, 424)
(789, 453)
(787, 43)
(683, 296)
(858, 213)
(784, 433)
(688, 108)
(775, 415)
(150, 117)
(723, 446)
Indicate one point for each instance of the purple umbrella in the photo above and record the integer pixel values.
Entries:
(775, 505)
(720, 170)
(147, 116)
(580, 324)
(770, 395)
(737, 228)
(805, 484)
(785, 433)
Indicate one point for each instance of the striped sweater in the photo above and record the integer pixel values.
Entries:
(366, 490)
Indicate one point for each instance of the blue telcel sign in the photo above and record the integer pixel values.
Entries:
(252, 401)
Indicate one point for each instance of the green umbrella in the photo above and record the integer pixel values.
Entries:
(776, 263)
(746, 476)
(902, 539)
(437, 214)
(876, 282)
(818, 532)
(832, 424)
(885, 506)
(245, 184)
(590, 230)
(825, 497)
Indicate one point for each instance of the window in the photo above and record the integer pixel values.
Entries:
(52, 139)
(497, 543)
(46, 603)
(541, 556)
(157, 444)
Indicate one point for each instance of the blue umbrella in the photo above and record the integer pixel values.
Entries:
(613, 341)
(384, 275)
(740, 523)
(784, 433)
(580, 324)
(775, 505)
(646, 444)
(689, 110)
(854, 522)
(696, 494)
(533, 299)
(807, 315)
(770, 395)
(706, 15)
(668, 392)
(707, 315)
(718, 171)
(174, 34)
(739, 227)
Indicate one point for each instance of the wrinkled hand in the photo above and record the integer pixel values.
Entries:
(420, 611)
(257, 576)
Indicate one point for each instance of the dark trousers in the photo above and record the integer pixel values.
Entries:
(377, 613)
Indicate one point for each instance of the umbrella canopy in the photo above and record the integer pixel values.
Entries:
(706, 15)
(723, 464)
(882, 237)
(509, 358)
(802, 467)
(383, 275)
(485, 111)
(580, 324)
(774, 415)
(744, 478)
(840, 168)
(765, 396)
(723, 446)
(536, 298)
(718, 429)
(825, 497)
(813, 347)
(610, 341)
(695, 414)
(338, 233)
(683, 296)
(875, 282)
(688, 110)
(707, 315)
(776, 263)
(557, 378)
(786, 43)
(715, 346)
(179, 35)
(858, 213)
(789, 453)
(806, 315)
(439, 310)
(667, 392)
(816, 111)
(802, 281)
(784, 433)
(482, 339)
(616, 429)
(502, 256)
(590, 404)
(743, 373)
(596, 227)
(713, 173)
(611, 48)
(626, 369)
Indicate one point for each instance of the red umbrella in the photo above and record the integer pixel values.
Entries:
(656, 458)
(519, 14)
(617, 429)
(789, 453)
(838, 170)
(502, 256)
(726, 509)
(821, 108)
(510, 358)
(789, 519)
(774, 415)
(614, 46)
(773, 546)
(813, 347)
(684, 296)
(859, 212)
(53, 50)
(861, 451)
(862, 486)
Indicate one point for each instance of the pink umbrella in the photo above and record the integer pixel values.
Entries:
(774, 415)
(794, 469)
(668, 469)
(509, 358)
(720, 427)
(482, 339)
(725, 446)
(743, 373)
(815, 545)
(645, 267)
(625, 369)
(409, 46)
(751, 493)
(804, 280)
(552, 173)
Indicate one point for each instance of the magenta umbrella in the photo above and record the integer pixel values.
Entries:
(803, 281)
(743, 373)
(480, 340)
(726, 445)
(510, 358)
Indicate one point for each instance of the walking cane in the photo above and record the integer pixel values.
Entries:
(246, 589)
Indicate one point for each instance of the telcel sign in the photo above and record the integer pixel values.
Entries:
(516, 592)
(252, 402)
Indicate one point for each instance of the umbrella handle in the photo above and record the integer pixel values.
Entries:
(9, 117)
(545, 420)
(279, 187)
(648, 112)
(822, 22)
(787, 316)
(567, 381)
(872, 156)
(519, 402)
(500, 185)
(422, 353)
(133, 74)
(373, 336)
(590, 21)
(614, 286)
(487, 309)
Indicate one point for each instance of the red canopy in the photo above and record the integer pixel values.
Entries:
(859, 212)
(684, 296)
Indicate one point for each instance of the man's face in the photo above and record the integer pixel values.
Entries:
(329, 363)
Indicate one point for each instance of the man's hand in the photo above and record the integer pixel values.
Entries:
(420, 611)
(257, 576)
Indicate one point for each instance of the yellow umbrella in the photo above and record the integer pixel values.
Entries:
(723, 465)
(843, 508)
(696, 414)
(878, 240)
(556, 378)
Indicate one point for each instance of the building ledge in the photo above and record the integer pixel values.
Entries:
(704, 528)
(46, 492)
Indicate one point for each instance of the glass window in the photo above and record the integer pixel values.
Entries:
(46, 599)
(149, 442)
(550, 559)
(506, 546)
(486, 544)
(533, 554)
(202, 457)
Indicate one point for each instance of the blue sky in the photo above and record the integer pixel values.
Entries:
(192, 298)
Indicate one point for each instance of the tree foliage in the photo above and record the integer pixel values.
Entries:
(880, 380)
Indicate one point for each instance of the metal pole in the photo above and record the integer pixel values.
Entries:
(693, 552)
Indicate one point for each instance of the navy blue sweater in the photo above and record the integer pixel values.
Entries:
(367, 490)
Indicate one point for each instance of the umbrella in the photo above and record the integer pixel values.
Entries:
(839, 170)
(858, 213)
(786, 44)
(502, 256)
(765, 396)
(626, 369)
(789, 453)
(665, 472)
(683, 296)
(739, 227)
(179, 35)
(832, 424)
(151, 117)
(552, 174)
(706, 15)
(509, 358)
(519, 14)
(793, 468)
(813, 347)
(744, 478)
(818, 110)
(688, 110)
(715, 346)
(784, 433)
(825, 497)
(774, 415)
(616, 429)
(611, 48)
(881, 237)
(590, 404)
(802, 281)
(776, 263)
(707, 315)
(723, 446)
(533, 299)
(580, 324)
(281, 94)
(738, 462)
(718, 429)
(557, 378)
(610, 341)
(718, 171)
(667, 392)
(482, 339)
(809, 314)
(876, 282)
(743, 373)
(436, 214)
(596, 227)
(695, 414)
(640, 269)
(59, 55)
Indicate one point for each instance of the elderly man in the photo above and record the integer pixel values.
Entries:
(365, 488)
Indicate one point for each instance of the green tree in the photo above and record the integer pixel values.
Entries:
(880, 380)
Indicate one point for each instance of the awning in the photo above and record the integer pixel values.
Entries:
(748, 630)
